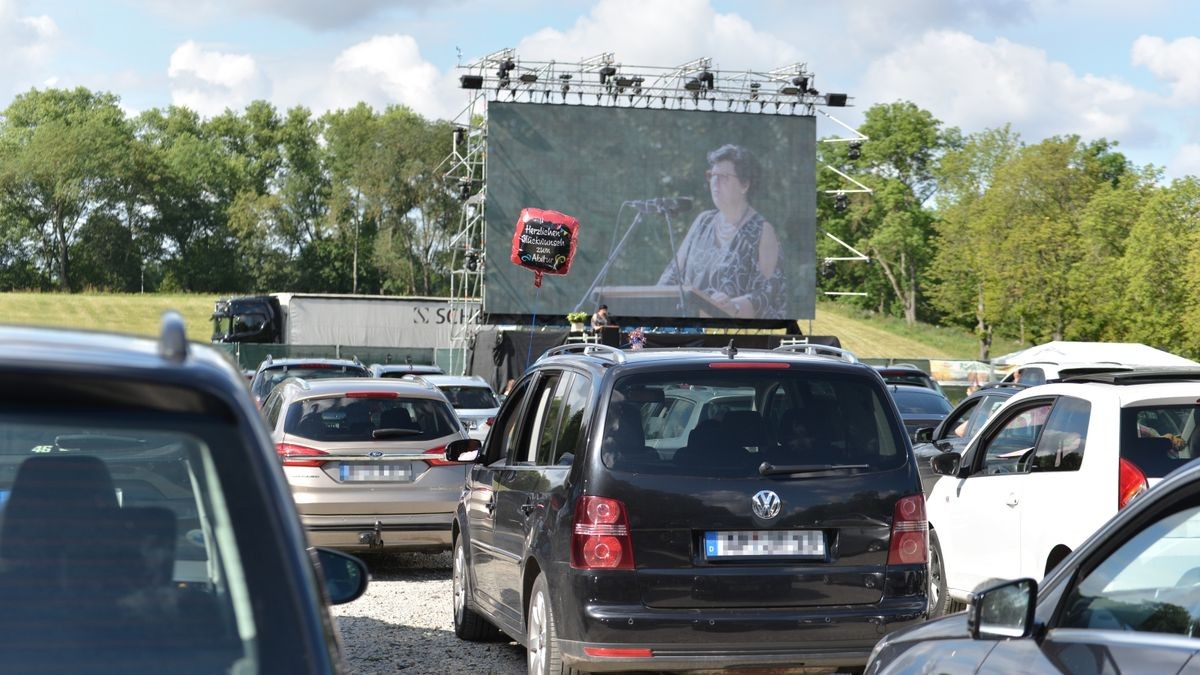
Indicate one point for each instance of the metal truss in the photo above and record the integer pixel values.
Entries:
(841, 201)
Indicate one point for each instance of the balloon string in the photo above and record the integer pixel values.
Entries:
(537, 293)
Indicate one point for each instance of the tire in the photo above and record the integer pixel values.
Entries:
(939, 595)
(468, 625)
(541, 634)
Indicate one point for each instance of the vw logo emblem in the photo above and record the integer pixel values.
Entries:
(375, 453)
(766, 504)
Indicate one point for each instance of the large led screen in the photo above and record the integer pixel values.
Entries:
(683, 214)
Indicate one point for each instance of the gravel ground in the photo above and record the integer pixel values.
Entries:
(403, 623)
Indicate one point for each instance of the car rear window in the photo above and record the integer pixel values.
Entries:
(728, 422)
(117, 537)
(352, 419)
(274, 376)
(920, 402)
(1158, 439)
(915, 380)
(470, 397)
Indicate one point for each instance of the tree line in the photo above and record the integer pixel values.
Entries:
(1059, 239)
(256, 200)
(1063, 239)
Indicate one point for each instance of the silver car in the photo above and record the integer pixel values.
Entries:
(365, 461)
(472, 398)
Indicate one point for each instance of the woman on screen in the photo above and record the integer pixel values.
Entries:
(731, 253)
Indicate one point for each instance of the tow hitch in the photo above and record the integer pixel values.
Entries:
(372, 538)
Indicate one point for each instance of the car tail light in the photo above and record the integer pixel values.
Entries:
(371, 394)
(910, 532)
(289, 453)
(439, 457)
(1131, 482)
(491, 421)
(601, 535)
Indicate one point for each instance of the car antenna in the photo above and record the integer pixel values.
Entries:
(730, 350)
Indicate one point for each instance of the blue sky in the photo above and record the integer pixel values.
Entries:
(1129, 72)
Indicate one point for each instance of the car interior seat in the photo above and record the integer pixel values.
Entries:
(624, 438)
(396, 418)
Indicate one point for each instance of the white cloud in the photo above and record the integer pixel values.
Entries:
(1172, 62)
(383, 70)
(875, 24)
(26, 45)
(319, 15)
(660, 32)
(974, 85)
(1186, 162)
(210, 81)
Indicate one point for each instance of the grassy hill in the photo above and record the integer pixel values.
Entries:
(864, 334)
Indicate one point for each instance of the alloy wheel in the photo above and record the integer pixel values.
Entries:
(459, 582)
(537, 637)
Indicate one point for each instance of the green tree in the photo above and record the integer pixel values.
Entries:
(60, 152)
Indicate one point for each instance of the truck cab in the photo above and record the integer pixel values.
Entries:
(247, 319)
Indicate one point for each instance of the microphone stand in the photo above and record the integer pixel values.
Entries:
(675, 259)
(637, 219)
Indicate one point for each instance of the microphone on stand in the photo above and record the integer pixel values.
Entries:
(662, 205)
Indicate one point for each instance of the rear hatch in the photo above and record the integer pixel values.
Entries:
(370, 453)
(789, 504)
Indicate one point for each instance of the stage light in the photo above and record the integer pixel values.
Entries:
(607, 72)
(836, 100)
(471, 81)
(692, 85)
(790, 91)
(472, 261)
(565, 78)
(459, 135)
(754, 87)
(506, 66)
(637, 84)
(801, 82)
(840, 202)
(827, 269)
(812, 92)
(623, 82)
(707, 79)
(464, 189)
(529, 78)
(854, 151)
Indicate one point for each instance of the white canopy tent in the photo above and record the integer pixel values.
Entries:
(1132, 354)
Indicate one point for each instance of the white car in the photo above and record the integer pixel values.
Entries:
(1041, 372)
(472, 397)
(1049, 468)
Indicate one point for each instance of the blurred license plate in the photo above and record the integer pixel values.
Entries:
(746, 543)
(378, 472)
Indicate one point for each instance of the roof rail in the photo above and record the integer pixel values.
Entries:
(1142, 376)
(805, 347)
(172, 338)
(586, 349)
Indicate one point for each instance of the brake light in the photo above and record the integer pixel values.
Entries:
(601, 535)
(439, 459)
(910, 532)
(314, 366)
(289, 453)
(754, 365)
(491, 421)
(1131, 482)
(371, 394)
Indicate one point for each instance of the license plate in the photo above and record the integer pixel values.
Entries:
(398, 473)
(753, 543)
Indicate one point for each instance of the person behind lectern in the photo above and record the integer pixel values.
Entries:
(730, 252)
(601, 319)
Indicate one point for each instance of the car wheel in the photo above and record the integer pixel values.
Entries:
(939, 596)
(541, 635)
(468, 625)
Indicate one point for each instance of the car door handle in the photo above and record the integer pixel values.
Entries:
(1012, 500)
(490, 505)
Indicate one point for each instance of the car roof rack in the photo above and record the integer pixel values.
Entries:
(814, 349)
(1141, 376)
(585, 349)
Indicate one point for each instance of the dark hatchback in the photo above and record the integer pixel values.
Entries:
(791, 534)
(954, 432)
(145, 526)
(1125, 601)
(919, 407)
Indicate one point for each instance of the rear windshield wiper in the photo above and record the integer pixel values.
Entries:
(394, 433)
(769, 469)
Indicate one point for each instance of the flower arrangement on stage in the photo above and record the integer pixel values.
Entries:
(637, 339)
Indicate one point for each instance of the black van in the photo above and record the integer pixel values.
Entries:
(788, 531)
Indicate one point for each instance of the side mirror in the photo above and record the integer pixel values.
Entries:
(923, 435)
(1003, 610)
(345, 576)
(945, 464)
(463, 450)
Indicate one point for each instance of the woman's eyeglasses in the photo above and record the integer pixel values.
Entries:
(721, 178)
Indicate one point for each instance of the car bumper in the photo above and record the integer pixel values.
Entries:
(361, 533)
(713, 639)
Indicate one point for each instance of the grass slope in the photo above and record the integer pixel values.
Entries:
(865, 334)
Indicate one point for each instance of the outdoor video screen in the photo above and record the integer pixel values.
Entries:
(683, 214)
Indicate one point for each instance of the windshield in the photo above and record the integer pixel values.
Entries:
(920, 403)
(345, 420)
(728, 423)
(271, 377)
(1161, 438)
(116, 535)
(470, 397)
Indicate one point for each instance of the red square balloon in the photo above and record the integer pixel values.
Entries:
(545, 242)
